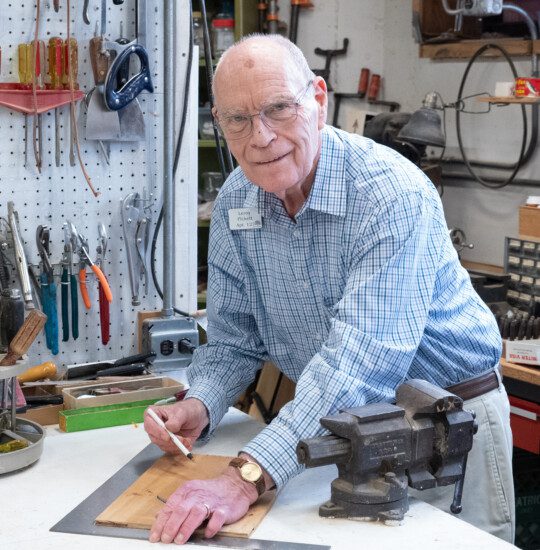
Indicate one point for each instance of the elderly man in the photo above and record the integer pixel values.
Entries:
(329, 255)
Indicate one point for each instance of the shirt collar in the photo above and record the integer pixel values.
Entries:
(328, 193)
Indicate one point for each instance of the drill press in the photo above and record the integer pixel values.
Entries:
(382, 449)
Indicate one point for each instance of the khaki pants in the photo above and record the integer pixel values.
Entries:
(488, 494)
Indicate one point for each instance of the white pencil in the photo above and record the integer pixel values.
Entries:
(173, 437)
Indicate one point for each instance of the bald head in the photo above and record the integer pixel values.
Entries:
(257, 50)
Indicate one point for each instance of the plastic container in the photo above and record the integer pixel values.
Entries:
(198, 32)
(222, 34)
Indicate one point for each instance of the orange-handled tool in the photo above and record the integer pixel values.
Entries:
(103, 281)
(71, 63)
(39, 372)
(83, 288)
(56, 62)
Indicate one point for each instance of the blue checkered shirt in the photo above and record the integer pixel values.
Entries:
(362, 291)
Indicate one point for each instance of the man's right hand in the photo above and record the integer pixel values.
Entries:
(187, 419)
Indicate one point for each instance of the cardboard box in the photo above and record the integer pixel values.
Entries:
(529, 222)
(525, 352)
(138, 389)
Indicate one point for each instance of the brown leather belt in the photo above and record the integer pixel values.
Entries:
(468, 389)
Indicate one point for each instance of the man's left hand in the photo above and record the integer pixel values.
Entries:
(222, 500)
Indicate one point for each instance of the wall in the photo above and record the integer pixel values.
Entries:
(380, 34)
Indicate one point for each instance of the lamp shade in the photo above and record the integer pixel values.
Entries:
(423, 128)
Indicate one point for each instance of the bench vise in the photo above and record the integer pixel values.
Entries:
(381, 449)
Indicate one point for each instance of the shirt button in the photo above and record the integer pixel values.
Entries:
(305, 284)
(296, 233)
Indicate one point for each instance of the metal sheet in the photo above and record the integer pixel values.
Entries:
(81, 519)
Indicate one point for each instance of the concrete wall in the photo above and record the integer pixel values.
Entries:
(380, 34)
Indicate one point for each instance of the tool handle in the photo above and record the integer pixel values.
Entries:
(33, 323)
(139, 358)
(74, 307)
(53, 318)
(71, 63)
(117, 99)
(44, 291)
(39, 372)
(56, 62)
(103, 281)
(64, 285)
(84, 289)
(25, 56)
(104, 316)
(100, 62)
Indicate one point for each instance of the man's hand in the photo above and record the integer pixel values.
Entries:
(222, 500)
(187, 419)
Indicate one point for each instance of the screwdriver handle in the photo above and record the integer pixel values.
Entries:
(39, 372)
(71, 63)
(56, 62)
(25, 63)
(38, 61)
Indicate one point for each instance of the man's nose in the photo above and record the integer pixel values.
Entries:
(262, 134)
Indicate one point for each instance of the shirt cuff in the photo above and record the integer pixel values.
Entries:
(275, 450)
(213, 398)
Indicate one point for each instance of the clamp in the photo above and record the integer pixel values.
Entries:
(47, 289)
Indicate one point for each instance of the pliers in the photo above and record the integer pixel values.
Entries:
(47, 289)
(84, 260)
(69, 280)
(104, 316)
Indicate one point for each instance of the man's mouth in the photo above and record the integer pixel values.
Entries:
(267, 162)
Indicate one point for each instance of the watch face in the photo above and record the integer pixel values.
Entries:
(251, 472)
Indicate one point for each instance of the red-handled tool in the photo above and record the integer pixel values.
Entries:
(104, 316)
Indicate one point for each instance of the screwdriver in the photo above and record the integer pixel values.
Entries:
(25, 77)
(38, 66)
(71, 66)
(56, 50)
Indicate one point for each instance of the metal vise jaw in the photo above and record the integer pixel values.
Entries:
(381, 449)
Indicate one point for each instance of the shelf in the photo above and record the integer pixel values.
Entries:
(22, 100)
(465, 49)
(207, 143)
(506, 100)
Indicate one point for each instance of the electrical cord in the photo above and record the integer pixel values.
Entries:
(517, 166)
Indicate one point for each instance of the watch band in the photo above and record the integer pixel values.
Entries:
(259, 483)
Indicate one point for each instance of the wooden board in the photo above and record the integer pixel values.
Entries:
(138, 505)
(524, 373)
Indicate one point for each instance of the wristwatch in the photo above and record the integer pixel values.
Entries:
(250, 472)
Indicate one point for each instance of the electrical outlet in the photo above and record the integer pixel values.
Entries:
(475, 8)
(172, 340)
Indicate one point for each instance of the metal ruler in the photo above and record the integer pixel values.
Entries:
(81, 519)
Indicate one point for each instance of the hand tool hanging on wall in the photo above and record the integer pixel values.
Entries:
(48, 289)
(71, 65)
(104, 315)
(20, 258)
(56, 64)
(38, 82)
(84, 260)
(295, 10)
(85, 12)
(121, 92)
(101, 123)
(56, 4)
(329, 54)
(272, 17)
(136, 221)
(5, 274)
(24, 338)
(69, 287)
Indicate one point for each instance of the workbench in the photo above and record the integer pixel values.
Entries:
(74, 465)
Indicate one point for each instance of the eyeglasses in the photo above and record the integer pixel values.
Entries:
(274, 115)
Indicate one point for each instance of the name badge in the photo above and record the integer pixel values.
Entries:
(244, 218)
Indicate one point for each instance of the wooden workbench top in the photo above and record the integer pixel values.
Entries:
(525, 373)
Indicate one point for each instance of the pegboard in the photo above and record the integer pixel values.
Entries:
(60, 193)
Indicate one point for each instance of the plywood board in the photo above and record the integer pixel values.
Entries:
(138, 505)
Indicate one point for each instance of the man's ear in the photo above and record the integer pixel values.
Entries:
(321, 97)
(214, 112)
